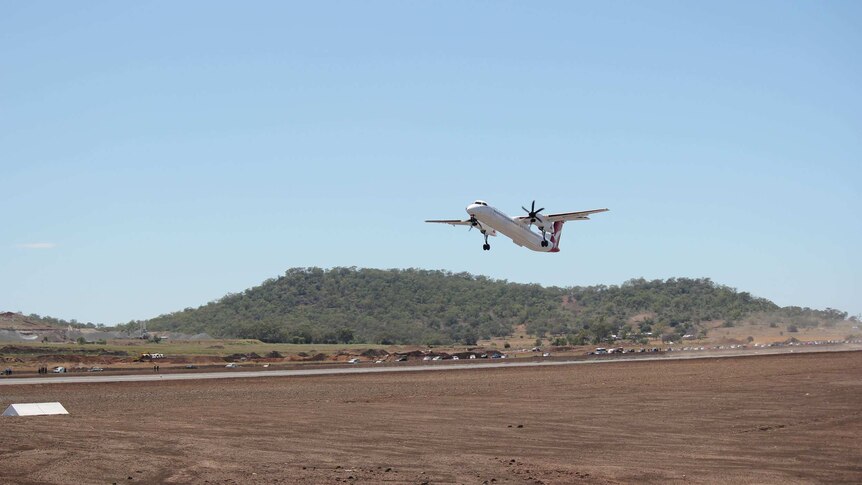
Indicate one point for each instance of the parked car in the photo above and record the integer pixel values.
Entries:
(191, 366)
(353, 361)
(403, 358)
(59, 370)
(96, 369)
(231, 365)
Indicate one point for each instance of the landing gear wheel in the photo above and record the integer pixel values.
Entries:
(486, 247)
(544, 244)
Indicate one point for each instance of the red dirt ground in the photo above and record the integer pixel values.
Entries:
(793, 418)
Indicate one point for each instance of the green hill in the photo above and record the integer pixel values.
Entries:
(312, 305)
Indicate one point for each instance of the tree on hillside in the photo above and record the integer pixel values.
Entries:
(346, 305)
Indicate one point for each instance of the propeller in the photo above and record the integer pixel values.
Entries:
(532, 213)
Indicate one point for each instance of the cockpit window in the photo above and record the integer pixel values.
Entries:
(480, 202)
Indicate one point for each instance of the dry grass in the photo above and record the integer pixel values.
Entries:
(766, 334)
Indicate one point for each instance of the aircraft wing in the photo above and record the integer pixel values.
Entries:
(454, 222)
(562, 216)
(572, 216)
(458, 222)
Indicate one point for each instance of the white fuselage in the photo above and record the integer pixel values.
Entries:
(492, 219)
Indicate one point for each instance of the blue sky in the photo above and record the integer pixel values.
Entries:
(157, 155)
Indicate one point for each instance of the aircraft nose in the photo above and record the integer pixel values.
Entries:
(476, 207)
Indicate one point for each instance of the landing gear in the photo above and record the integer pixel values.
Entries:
(486, 246)
(544, 241)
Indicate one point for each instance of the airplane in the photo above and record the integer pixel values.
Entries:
(490, 221)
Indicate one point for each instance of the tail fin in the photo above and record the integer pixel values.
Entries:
(555, 237)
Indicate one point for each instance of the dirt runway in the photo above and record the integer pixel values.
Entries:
(793, 418)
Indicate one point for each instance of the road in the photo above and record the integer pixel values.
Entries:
(367, 369)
